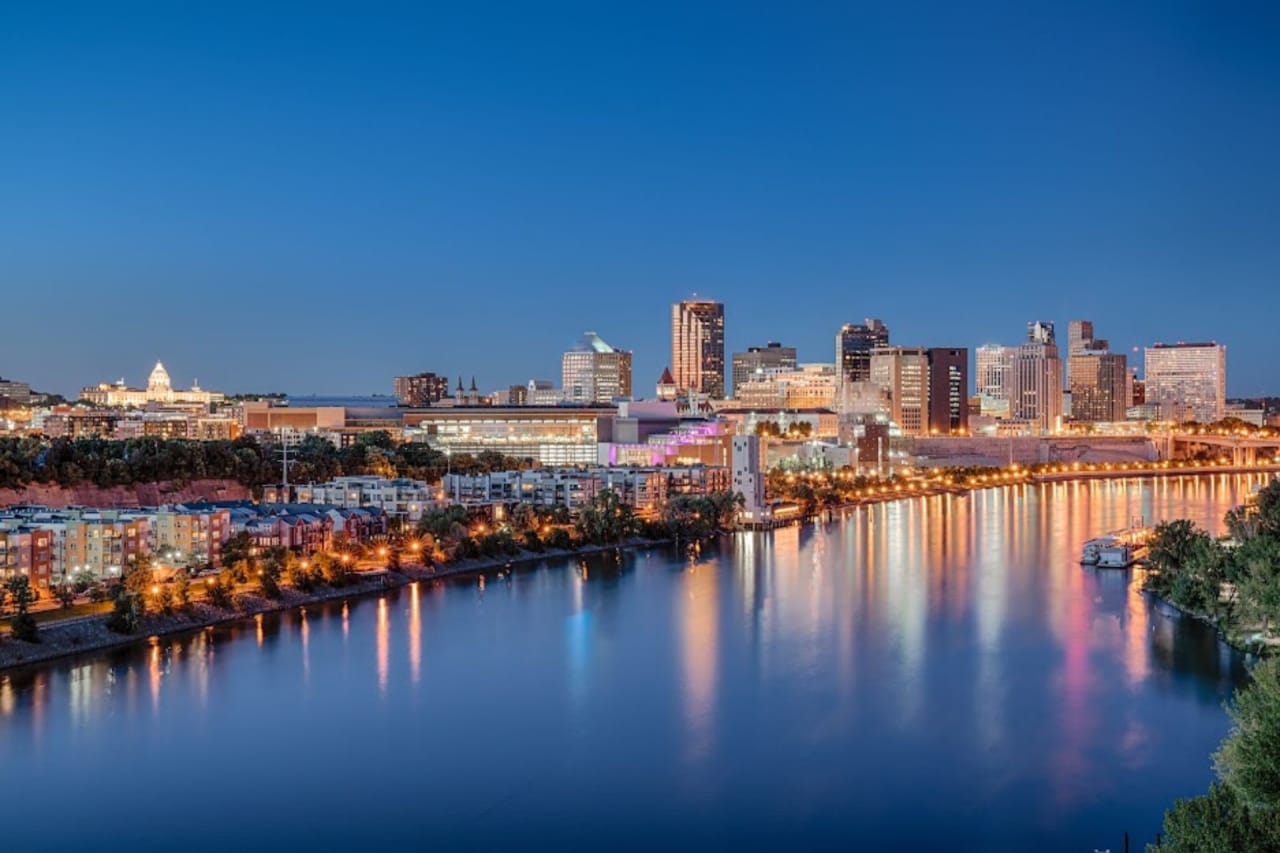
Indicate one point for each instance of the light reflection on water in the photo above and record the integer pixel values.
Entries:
(938, 672)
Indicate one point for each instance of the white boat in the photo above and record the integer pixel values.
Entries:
(1118, 549)
(1119, 555)
(1093, 550)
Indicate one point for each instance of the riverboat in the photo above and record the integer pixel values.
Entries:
(1119, 549)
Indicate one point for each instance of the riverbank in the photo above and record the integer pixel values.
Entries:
(887, 494)
(87, 634)
(90, 633)
(480, 565)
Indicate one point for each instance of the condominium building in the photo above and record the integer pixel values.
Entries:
(421, 389)
(854, 343)
(595, 372)
(697, 346)
(756, 360)
(645, 489)
(1187, 381)
(194, 535)
(399, 498)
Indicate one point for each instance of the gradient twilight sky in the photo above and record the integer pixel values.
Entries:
(314, 198)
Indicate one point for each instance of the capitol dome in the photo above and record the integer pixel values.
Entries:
(159, 380)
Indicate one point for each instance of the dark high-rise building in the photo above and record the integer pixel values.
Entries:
(854, 344)
(756, 359)
(421, 390)
(948, 390)
(697, 346)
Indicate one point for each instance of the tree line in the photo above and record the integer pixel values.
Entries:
(246, 460)
(450, 534)
(1235, 584)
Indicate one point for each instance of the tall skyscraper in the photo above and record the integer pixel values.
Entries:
(755, 360)
(948, 390)
(1097, 378)
(594, 372)
(994, 365)
(1187, 381)
(854, 344)
(1079, 336)
(697, 346)
(1036, 379)
(903, 373)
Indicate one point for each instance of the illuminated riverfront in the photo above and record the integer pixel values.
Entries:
(792, 688)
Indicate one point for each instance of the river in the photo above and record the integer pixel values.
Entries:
(931, 674)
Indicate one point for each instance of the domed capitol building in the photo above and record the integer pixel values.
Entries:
(159, 390)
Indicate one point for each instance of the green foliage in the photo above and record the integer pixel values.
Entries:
(23, 626)
(237, 549)
(1217, 822)
(499, 544)
(182, 591)
(164, 599)
(106, 463)
(606, 520)
(700, 516)
(220, 590)
(772, 429)
(440, 522)
(138, 583)
(126, 617)
(65, 593)
(1249, 760)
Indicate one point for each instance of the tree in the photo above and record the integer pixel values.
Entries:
(1256, 574)
(66, 594)
(237, 548)
(182, 591)
(1216, 822)
(138, 583)
(607, 519)
(22, 626)
(1249, 760)
(126, 616)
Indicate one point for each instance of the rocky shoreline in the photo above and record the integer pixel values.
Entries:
(90, 633)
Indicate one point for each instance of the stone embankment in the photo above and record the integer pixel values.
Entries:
(90, 633)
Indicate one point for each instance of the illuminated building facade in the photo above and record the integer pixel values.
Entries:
(757, 360)
(421, 389)
(1036, 380)
(550, 435)
(1187, 381)
(854, 343)
(159, 390)
(697, 347)
(595, 372)
(903, 373)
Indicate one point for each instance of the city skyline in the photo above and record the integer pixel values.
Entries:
(552, 172)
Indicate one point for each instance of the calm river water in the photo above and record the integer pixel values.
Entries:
(933, 674)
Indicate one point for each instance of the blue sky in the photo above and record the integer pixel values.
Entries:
(314, 198)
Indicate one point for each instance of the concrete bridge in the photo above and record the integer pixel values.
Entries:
(1239, 449)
